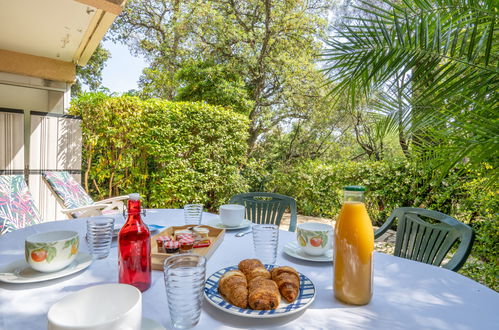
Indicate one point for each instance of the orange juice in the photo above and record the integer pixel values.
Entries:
(354, 245)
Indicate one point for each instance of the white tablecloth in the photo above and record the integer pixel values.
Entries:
(407, 294)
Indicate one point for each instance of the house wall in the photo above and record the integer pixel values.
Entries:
(37, 135)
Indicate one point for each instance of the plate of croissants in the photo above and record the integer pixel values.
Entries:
(252, 289)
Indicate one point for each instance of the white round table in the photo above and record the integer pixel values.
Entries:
(407, 294)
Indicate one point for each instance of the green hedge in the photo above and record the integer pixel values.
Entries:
(172, 153)
(318, 188)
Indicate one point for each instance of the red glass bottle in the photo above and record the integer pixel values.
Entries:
(134, 248)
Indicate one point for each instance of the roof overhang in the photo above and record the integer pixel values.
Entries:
(47, 39)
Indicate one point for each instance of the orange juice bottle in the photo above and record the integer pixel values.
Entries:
(354, 245)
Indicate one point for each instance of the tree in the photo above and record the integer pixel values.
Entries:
(91, 74)
(217, 84)
(161, 31)
(447, 54)
(272, 44)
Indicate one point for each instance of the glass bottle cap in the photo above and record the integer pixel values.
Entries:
(134, 197)
(354, 188)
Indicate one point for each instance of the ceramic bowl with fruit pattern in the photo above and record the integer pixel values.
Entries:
(314, 238)
(51, 251)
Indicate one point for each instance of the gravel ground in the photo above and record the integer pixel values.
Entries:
(385, 243)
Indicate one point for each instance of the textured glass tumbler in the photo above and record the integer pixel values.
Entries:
(265, 240)
(193, 214)
(184, 281)
(99, 236)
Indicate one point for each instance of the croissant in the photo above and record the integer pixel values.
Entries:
(234, 287)
(288, 282)
(263, 294)
(253, 268)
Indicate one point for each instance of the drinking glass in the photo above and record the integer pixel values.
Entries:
(99, 236)
(265, 240)
(184, 281)
(193, 214)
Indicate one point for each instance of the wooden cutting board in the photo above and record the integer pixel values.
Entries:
(215, 235)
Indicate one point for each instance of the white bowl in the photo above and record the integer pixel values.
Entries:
(314, 238)
(51, 251)
(101, 307)
(231, 215)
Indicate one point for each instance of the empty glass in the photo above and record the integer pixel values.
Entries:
(99, 236)
(265, 240)
(184, 281)
(193, 214)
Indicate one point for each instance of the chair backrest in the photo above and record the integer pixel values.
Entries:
(422, 241)
(267, 208)
(69, 192)
(17, 209)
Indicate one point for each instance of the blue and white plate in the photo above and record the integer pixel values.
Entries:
(304, 299)
(155, 227)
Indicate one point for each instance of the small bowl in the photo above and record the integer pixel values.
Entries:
(314, 238)
(101, 307)
(51, 251)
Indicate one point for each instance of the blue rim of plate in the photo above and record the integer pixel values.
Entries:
(305, 297)
(155, 227)
(152, 228)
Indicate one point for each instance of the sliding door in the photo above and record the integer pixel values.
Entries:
(11, 141)
(55, 145)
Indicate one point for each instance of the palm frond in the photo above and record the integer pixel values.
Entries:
(447, 50)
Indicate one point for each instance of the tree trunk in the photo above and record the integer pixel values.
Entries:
(402, 138)
(87, 170)
(404, 145)
(176, 40)
(253, 136)
(259, 81)
(419, 137)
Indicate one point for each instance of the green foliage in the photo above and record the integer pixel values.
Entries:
(173, 153)
(91, 74)
(271, 45)
(197, 152)
(216, 84)
(157, 81)
(431, 64)
(318, 187)
(479, 205)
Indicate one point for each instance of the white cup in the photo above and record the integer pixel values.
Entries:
(101, 307)
(314, 238)
(231, 215)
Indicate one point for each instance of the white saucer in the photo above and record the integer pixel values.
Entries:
(20, 272)
(292, 249)
(148, 324)
(215, 222)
